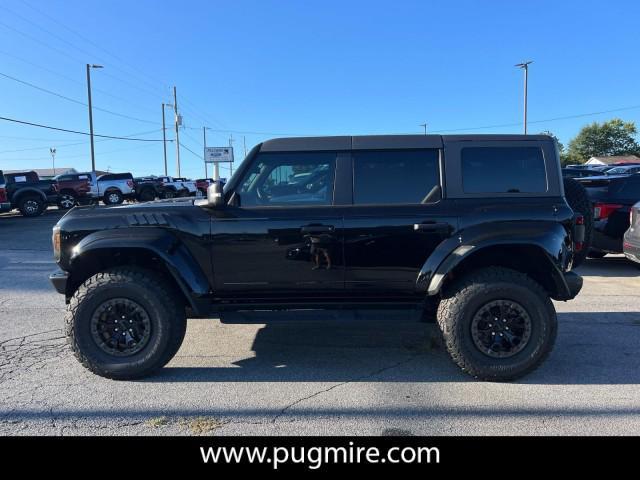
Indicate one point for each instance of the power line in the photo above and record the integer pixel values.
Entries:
(72, 44)
(68, 157)
(49, 127)
(75, 143)
(73, 80)
(59, 95)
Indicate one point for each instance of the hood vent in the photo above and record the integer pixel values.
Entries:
(144, 219)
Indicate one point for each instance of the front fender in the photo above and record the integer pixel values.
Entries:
(178, 259)
(548, 237)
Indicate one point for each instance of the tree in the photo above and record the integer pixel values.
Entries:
(614, 137)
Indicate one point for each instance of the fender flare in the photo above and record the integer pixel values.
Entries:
(179, 261)
(548, 237)
(18, 194)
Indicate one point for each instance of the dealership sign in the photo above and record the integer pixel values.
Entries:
(218, 154)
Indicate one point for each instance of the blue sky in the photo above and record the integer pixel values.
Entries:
(268, 68)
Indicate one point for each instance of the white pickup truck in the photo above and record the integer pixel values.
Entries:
(111, 188)
(177, 187)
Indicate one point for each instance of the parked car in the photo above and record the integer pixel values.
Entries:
(475, 227)
(147, 188)
(631, 241)
(623, 170)
(202, 184)
(112, 188)
(612, 198)
(579, 172)
(177, 187)
(26, 192)
(73, 189)
(5, 204)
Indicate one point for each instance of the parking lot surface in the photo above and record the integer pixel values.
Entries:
(305, 373)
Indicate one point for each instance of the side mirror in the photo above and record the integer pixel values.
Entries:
(215, 195)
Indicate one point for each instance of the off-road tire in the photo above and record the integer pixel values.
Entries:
(31, 206)
(147, 195)
(462, 299)
(169, 193)
(113, 197)
(161, 301)
(579, 201)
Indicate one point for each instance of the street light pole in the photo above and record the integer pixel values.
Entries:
(175, 111)
(424, 125)
(204, 150)
(164, 141)
(52, 151)
(525, 67)
(93, 158)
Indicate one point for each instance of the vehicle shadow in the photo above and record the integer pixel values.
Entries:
(609, 266)
(592, 348)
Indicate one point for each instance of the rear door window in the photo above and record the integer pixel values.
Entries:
(503, 170)
(396, 176)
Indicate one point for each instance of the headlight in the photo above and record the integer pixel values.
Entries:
(55, 240)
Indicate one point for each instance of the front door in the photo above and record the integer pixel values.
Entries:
(285, 237)
(397, 220)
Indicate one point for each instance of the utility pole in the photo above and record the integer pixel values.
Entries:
(164, 141)
(52, 151)
(93, 157)
(175, 111)
(525, 67)
(204, 150)
(424, 125)
(231, 163)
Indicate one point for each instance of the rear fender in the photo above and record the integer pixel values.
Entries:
(540, 241)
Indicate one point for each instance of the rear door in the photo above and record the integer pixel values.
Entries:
(397, 218)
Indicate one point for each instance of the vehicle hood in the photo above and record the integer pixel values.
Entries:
(159, 213)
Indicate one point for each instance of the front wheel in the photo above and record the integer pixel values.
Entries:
(113, 197)
(497, 324)
(125, 323)
(31, 206)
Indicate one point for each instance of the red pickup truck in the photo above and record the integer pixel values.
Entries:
(73, 188)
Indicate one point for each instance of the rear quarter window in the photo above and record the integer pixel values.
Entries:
(503, 170)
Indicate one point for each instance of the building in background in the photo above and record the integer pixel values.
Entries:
(613, 160)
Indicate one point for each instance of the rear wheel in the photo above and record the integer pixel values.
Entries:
(497, 324)
(66, 201)
(113, 197)
(125, 323)
(147, 195)
(579, 201)
(31, 206)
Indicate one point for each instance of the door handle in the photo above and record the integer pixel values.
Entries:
(441, 227)
(317, 229)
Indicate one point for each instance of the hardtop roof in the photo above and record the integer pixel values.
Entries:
(375, 142)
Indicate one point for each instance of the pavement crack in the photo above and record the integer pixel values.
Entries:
(337, 385)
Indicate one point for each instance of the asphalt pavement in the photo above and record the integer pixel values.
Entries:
(304, 373)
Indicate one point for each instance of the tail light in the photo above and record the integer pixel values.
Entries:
(3, 194)
(603, 210)
(578, 232)
(130, 183)
(54, 186)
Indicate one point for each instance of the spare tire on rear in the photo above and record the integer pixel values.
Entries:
(579, 201)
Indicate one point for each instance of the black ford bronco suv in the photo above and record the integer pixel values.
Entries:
(476, 230)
